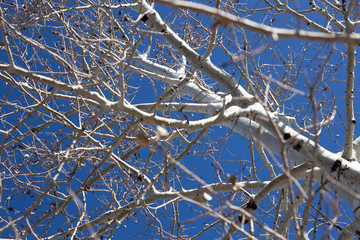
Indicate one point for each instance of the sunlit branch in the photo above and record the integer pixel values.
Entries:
(356, 146)
(78, 89)
(60, 86)
(274, 32)
(209, 108)
(212, 38)
(205, 65)
(261, 151)
(299, 199)
(351, 231)
(5, 38)
(92, 6)
(301, 17)
(277, 183)
(122, 115)
(191, 193)
(350, 118)
(315, 8)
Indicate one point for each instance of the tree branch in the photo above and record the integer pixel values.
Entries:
(274, 32)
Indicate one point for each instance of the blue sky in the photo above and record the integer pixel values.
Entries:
(220, 153)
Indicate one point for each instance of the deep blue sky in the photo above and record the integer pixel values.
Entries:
(232, 152)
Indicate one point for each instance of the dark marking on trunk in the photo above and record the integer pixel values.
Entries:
(336, 165)
(144, 18)
(287, 136)
(251, 205)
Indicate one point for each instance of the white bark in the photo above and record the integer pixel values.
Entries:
(298, 148)
(245, 112)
